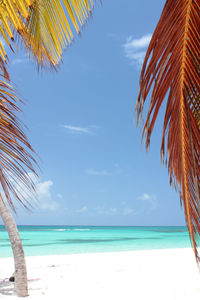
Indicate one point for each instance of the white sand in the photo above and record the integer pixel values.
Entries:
(137, 275)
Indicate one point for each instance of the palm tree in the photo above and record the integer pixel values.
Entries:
(45, 28)
(16, 157)
(172, 69)
(172, 65)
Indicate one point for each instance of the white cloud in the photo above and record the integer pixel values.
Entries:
(106, 211)
(144, 197)
(128, 211)
(60, 196)
(43, 189)
(151, 199)
(138, 43)
(45, 197)
(76, 129)
(97, 172)
(116, 171)
(48, 205)
(84, 209)
(137, 57)
(135, 49)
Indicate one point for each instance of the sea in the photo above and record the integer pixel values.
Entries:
(55, 240)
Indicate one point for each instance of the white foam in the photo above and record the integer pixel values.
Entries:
(79, 229)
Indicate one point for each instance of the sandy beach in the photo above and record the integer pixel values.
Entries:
(170, 274)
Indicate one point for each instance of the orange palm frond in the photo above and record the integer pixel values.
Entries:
(172, 68)
(16, 154)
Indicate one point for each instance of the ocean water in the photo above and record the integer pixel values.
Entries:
(50, 240)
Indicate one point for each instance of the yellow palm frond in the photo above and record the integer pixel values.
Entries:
(46, 27)
(12, 16)
(50, 27)
(172, 68)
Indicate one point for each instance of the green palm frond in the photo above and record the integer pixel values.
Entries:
(172, 67)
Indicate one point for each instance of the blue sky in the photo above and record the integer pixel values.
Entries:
(80, 119)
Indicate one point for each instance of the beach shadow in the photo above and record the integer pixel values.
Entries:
(6, 287)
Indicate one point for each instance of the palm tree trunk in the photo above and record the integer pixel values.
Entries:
(21, 285)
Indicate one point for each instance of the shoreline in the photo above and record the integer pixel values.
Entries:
(146, 274)
(99, 252)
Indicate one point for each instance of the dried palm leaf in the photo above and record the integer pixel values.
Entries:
(16, 154)
(172, 69)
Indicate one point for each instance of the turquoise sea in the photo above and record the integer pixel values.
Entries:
(49, 240)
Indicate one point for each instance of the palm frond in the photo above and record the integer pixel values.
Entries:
(46, 27)
(16, 154)
(50, 27)
(172, 68)
(12, 16)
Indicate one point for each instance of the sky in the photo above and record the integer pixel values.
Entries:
(94, 168)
